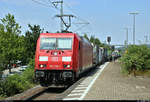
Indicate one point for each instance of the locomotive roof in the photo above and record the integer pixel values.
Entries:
(65, 35)
(57, 34)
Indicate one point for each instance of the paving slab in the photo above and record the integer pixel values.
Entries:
(113, 85)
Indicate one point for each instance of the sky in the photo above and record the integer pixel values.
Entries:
(105, 17)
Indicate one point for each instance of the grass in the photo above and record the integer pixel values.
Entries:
(124, 71)
(145, 73)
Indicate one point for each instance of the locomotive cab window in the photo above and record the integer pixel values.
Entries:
(48, 43)
(55, 43)
(64, 43)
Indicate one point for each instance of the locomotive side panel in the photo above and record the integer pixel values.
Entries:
(87, 54)
(76, 55)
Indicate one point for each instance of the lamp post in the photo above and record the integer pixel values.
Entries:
(134, 14)
(126, 36)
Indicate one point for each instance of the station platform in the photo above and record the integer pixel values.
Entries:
(108, 83)
(111, 84)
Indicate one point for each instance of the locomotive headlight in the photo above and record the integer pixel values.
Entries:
(68, 66)
(55, 53)
(41, 65)
(66, 59)
(43, 58)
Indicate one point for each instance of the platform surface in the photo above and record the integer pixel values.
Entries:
(111, 84)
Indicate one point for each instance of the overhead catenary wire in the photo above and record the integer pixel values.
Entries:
(79, 18)
(82, 21)
(46, 5)
(53, 4)
(43, 4)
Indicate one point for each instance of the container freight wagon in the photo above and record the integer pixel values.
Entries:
(96, 55)
(61, 57)
(101, 55)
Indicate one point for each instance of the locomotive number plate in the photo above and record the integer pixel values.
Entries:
(54, 58)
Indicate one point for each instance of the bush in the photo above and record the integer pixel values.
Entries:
(147, 64)
(15, 84)
(136, 58)
(28, 75)
(2, 93)
(18, 83)
(32, 63)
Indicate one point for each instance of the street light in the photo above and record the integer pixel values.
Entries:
(126, 36)
(134, 14)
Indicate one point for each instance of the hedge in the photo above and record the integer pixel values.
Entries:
(136, 57)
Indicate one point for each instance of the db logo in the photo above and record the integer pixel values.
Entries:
(54, 58)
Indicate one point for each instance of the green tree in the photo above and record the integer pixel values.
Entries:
(113, 48)
(31, 37)
(136, 58)
(85, 36)
(97, 41)
(11, 43)
(92, 39)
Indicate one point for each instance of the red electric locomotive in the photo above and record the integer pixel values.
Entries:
(61, 57)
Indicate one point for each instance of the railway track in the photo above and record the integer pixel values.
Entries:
(48, 94)
(51, 93)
